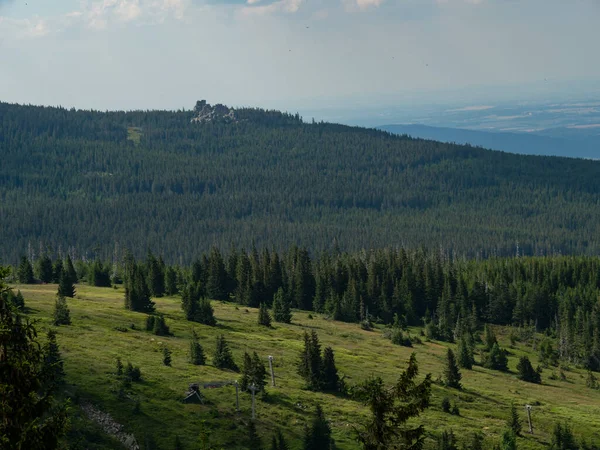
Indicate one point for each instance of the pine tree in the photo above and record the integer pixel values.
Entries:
(223, 359)
(264, 318)
(157, 325)
(44, 269)
(61, 314)
(489, 338)
(65, 285)
(216, 283)
(253, 440)
(329, 374)
(137, 295)
(281, 307)
(171, 281)
(446, 441)
(389, 412)
(318, 435)
(452, 374)
(278, 442)
(197, 356)
(562, 438)
(197, 308)
(527, 372)
(25, 271)
(19, 301)
(465, 354)
(496, 359)
(246, 372)
(259, 373)
(57, 270)
(29, 417)
(53, 363)
(309, 364)
(166, 356)
(513, 421)
(71, 270)
(156, 276)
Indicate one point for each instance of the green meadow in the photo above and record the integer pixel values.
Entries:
(102, 330)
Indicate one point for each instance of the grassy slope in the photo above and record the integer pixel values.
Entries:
(91, 345)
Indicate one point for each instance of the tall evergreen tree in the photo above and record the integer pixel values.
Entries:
(65, 284)
(197, 356)
(29, 417)
(216, 285)
(61, 314)
(310, 363)
(71, 269)
(496, 359)
(264, 318)
(281, 307)
(223, 359)
(330, 380)
(155, 276)
(171, 281)
(452, 374)
(318, 435)
(446, 441)
(391, 408)
(513, 421)
(509, 440)
(44, 269)
(53, 363)
(25, 271)
(465, 353)
(253, 441)
(562, 438)
(57, 270)
(527, 372)
(167, 356)
(137, 294)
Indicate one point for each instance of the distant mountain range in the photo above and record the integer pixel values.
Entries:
(569, 142)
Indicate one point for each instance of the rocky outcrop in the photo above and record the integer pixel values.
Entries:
(207, 113)
(110, 426)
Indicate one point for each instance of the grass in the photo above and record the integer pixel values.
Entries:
(92, 343)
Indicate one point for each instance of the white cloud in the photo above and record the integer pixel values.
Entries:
(361, 5)
(280, 6)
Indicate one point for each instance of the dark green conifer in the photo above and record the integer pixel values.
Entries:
(223, 359)
(25, 271)
(197, 356)
(167, 356)
(513, 421)
(527, 372)
(65, 285)
(465, 353)
(330, 380)
(452, 374)
(318, 435)
(44, 269)
(264, 318)
(253, 441)
(62, 315)
(281, 307)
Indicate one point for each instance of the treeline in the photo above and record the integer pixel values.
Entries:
(153, 179)
(555, 295)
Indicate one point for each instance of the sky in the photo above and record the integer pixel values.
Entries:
(295, 54)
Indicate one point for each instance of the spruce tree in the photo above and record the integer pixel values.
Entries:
(475, 442)
(389, 411)
(452, 374)
(29, 418)
(197, 356)
(496, 359)
(171, 281)
(446, 441)
(216, 282)
(281, 307)
(25, 271)
(65, 285)
(330, 380)
(465, 354)
(246, 372)
(71, 270)
(61, 314)
(223, 359)
(19, 301)
(44, 269)
(513, 421)
(53, 363)
(137, 295)
(489, 338)
(196, 306)
(57, 270)
(562, 438)
(156, 276)
(318, 435)
(253, 441)
(264, 318)
(527, 372)
(167, 356)
(278, 442)
(309, 363)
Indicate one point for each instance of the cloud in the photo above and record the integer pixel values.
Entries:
(280, 6)
(361, 5)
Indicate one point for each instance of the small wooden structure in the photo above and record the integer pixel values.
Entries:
(193, 394)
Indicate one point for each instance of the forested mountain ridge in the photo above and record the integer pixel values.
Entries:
(153, 179)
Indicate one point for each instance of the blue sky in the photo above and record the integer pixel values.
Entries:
(294, 54)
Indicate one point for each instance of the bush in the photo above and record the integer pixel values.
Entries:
(397, 337)
(446, 406)
(157, 325)
(132, 373)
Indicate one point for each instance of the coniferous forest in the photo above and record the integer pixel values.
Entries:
(89, 180)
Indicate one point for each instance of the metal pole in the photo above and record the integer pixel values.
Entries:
(528, 409)
(237, 397)
(272, 372)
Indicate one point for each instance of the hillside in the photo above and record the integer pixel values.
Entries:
(101, 331)
(522, 143)
(89, 180)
